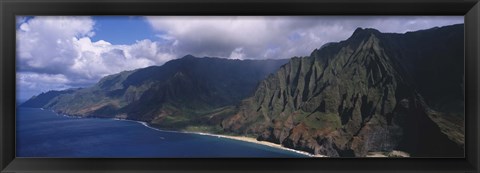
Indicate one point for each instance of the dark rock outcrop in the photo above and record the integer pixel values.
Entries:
(372, 92)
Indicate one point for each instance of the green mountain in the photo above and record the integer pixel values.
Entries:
(43, 98)
(175, 95)
(372, 92)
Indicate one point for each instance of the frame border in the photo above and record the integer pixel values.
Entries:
(10, 8)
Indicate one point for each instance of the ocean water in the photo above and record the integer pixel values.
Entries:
(43, 133)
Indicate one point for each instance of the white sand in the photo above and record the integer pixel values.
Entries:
(240, 138)
(265, 143)
(253, 140)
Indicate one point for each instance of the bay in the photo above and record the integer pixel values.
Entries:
(43, 133)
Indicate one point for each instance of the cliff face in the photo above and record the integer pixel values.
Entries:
(371, 92)
(175, 95)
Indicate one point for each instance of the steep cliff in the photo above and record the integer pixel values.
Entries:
(175, 95)
(372, 92)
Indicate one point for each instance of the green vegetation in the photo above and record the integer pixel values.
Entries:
(368, 92)
(372, 92)
(319, 120)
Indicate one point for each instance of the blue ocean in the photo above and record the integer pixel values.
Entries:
(43, 133)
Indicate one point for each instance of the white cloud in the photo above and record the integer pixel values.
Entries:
(34, 83)
(262, 37)
(46, 43)
(215, 35)
(152, 51)
(98, 59)
(52, 46)
(237, 54)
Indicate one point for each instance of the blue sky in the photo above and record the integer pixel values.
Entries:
(122, 30)
(115, 29)
(60, 52)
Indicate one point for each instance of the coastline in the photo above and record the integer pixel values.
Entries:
(238, 138)
(253, 140)
(394, 153)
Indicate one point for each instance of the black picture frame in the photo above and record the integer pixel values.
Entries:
(10, 8)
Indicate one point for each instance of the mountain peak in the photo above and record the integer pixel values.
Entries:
(360, 30)
(188, 56)
(362, 33)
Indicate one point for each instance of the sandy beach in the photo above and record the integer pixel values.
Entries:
(394, 153)
(239, 138)
(253, 140)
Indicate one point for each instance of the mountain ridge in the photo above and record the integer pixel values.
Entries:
(355, 96)
(371, 92)
(186, 86)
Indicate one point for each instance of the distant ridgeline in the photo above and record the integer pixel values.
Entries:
(374, 92)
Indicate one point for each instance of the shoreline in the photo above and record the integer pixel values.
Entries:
(395, 153)
(238, 138)
(255, 141)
